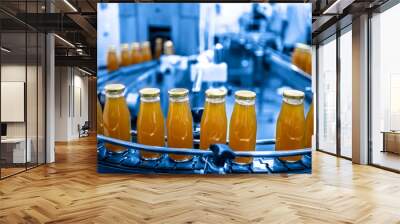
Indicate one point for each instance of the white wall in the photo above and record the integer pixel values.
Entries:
(11, 73)
(71, 93)
(14, 73)
(61, 103)
(80, 94)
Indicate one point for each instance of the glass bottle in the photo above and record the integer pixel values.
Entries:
(179, 122)
(169, 48)
(243, 124)
(136, 55)
(213, 121)
(116, 116)
(125, 57)
(302, 57)
(291, 124)
(158, 48)
(150, 121)
(146, 51)
(112, 59)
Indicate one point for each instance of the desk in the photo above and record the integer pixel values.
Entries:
(391, 141)
(16, 147)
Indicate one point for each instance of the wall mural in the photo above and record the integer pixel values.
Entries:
(204, 88)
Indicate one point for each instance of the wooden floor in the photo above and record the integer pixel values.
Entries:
(10, 171)
(386, 159)
(70, 191)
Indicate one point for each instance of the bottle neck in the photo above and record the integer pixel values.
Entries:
(182, 99)
(215, 100)
(293, 102)
(146, 49)
(114, 95)
(245, 102)
(152, 99)
(112, 55)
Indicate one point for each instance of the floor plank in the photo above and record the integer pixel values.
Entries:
(71, 191)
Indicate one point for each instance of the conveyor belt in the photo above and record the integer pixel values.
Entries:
(217, 160)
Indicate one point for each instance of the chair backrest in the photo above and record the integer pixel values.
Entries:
(86, 125)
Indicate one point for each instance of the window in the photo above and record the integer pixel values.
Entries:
(327, 96)
(385, 89)
(22, 76)
(346, 93)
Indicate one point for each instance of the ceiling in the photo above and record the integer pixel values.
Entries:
(74, 21)
(330, 15)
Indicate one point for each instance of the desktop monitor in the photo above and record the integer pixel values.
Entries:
(3, 129)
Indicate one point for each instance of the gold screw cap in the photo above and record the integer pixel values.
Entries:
(293, 94)
(178, 92)
(245, 95)
(149, 92)
(215, 93)
(114, 88)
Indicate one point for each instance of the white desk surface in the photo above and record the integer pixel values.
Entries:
(20, 153)
(13, 140)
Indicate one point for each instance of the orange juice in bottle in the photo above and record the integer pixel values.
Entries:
(169, 48)
(116, 116)
(213, 121)
(150, 121)
(146, 51)
(112, 59)
(243, 124)
(158, 48)
(309, 127)
(302, 57)
(136, 54)
(125, 57)
(179, 122)
(99, 118)
(291, 124)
